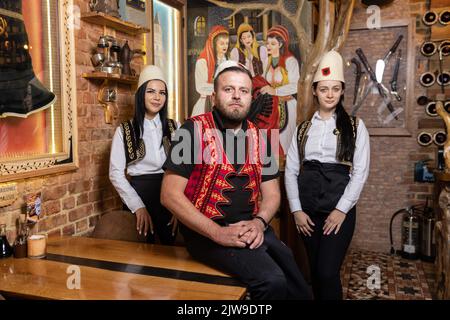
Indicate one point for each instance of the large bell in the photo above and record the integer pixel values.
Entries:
(21, 93)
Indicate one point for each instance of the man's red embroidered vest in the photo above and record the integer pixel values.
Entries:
(208, 180)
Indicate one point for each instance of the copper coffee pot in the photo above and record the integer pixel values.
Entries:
(126, 54)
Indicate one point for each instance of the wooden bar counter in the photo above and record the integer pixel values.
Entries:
(111, 269)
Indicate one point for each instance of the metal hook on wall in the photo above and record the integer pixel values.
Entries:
(107, 97)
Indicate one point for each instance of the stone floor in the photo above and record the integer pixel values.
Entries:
(370, 275)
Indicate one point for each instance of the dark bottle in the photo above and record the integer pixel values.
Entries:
(20, 245)
(5, 248)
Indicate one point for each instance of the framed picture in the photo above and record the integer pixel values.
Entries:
(135, 11)
(37, 88)
(389, 115)
(137, 4)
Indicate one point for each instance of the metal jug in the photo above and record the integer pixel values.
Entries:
(410, 235)
(428, 244)
(126, 54)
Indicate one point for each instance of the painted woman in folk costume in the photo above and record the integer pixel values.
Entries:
(282, 73)
(248, 52)
(213, 54)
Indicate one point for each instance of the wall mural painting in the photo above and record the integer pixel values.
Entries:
(266, 44)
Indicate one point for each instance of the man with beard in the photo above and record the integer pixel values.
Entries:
(216, 194)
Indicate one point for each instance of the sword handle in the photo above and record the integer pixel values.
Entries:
(394, 47)
(397, 65)
(388, 102)
(357, 78)
(391, 110)
(395, 74)
(396, 95)
(366, 64)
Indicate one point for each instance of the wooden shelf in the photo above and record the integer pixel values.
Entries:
(440, 32)
(431, 123)
(110, 76)
(102, 19)
(442, 175)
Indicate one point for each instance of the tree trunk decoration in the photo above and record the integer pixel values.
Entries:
(333, 26)
(446, 117)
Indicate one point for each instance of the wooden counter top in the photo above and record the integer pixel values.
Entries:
(112, 269)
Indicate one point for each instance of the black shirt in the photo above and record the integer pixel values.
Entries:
(239, 207)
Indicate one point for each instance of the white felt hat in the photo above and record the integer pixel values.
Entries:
(151, 72)
(331, 67)
(228, 64)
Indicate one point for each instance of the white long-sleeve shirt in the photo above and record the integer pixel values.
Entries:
(321, 145)
(151, 163)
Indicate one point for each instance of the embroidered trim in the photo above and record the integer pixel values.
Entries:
(208, 180)
(168, 136)
(11, 14)
(133, 151)
(302, 137)
(283, 112)
(3, 26)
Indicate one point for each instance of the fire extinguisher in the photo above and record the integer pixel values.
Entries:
(410, 232)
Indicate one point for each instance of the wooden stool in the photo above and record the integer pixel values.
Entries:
(117, 225)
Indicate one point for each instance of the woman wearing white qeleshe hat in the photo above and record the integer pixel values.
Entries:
(326, 167)
(140, 146)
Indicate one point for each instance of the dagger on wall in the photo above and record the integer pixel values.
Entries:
(358, 73)
(394, 89)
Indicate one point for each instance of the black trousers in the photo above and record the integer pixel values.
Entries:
(148, 187)
(321, 186)
(270, 271)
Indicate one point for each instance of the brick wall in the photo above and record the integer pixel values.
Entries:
(73, 202)
(391, 185)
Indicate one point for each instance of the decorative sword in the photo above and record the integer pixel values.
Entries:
(394, 91)
(358, 74)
